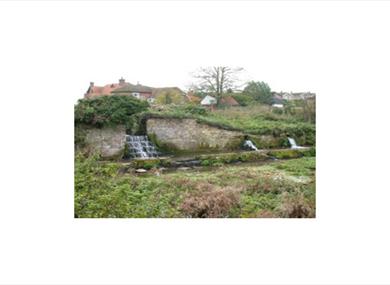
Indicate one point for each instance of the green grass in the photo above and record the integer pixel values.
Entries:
(247, 190)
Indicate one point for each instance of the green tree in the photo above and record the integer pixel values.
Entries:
(169, 97)
(259, 91)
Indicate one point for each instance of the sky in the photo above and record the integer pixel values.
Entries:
(160, 44)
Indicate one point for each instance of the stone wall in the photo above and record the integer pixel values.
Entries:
(190, 136)
(108, 141)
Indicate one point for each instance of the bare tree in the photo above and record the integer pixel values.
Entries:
(217, 79)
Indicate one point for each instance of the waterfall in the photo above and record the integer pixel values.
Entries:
(250, 145)
(293, 143)
(141, 147)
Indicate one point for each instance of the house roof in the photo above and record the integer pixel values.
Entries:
(158, 91)
(133, 88)
(94, 91)
(229, 101)
(277, 99)
(208, 100)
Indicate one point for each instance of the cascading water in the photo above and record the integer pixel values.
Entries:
(293, 143)
(250, 145)
(141, 147)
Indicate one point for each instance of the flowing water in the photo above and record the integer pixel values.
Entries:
(250, 145)
(141, 147)
(293, 143)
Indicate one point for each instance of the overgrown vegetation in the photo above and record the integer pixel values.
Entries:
(109, 110)
(279, 189)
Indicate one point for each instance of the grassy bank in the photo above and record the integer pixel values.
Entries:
(256, 119)
(279, 189)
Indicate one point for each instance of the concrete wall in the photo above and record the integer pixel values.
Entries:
(108, 141)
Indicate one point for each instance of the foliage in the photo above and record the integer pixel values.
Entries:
(169, 97)
(300, 167)
(271, 190)
(195, 110)
(79, 137)
(243, 99)
(209, 201)
(259, 91)
(108, 110)
(296, 205)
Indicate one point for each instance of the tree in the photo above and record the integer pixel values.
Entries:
(168, 97)
(217, 79)
(260, 91)
(309, 110)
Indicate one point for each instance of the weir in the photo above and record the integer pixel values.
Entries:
(141, 147)
(294, 144)
(250, 145)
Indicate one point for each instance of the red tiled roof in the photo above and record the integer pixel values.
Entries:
(95, 91)
(228, 100)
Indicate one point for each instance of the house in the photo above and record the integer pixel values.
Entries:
(228, 101)
(277, 101)
(208, 101)
(291, 96)
(138, 91)
(96, 91)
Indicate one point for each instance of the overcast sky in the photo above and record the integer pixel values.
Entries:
(160, 44)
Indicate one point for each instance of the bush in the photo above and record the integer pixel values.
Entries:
(210, 203)
(196, 110)
(109, 110)
(243, 100)
(295, 205)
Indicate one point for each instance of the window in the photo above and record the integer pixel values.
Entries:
(135, 94)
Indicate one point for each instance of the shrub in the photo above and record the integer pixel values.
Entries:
(196, 110)
(295, 205)
(243, 99)
(79, 137)
(108, 110)
(212, 202)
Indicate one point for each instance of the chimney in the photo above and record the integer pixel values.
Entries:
(91, 84)
(121, 81)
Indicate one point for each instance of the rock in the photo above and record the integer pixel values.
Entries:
(140, 170)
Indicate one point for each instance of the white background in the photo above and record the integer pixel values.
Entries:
(50, 51)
